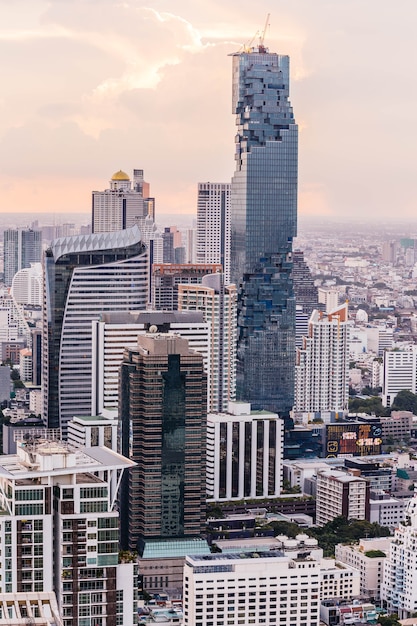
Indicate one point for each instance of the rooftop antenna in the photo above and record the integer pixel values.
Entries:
(262, 35)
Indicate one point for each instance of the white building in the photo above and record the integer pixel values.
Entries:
(386, 510)
(213, 225)
(114, 332)
(122, 205)
(35, 401)
(251, 588)
(217, 301)
(59, 528)
(322, 364)
(368, 558)
(244, 454)
(338, 580)
(380, 339)
(399, 588)
(339, 493)
(400, 372)
(328, 297)
(27, 285)
(21, 609)
(86, 431)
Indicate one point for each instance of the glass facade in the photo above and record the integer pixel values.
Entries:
(263, 224)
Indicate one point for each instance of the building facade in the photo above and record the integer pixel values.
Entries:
(322, 363)
(339, 493)
(122, 205)
(217, 301)
(400, 372)
(263, 225)
(21, 248)
(244, 454)
(163, 414)
(213, 225)
(253, 587)
(84, 276)
(166, 277)
(59, 528)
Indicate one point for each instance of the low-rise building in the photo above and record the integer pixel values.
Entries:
(339, 493)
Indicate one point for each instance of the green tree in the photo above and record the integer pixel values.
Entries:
(405, 401)
(389, 620)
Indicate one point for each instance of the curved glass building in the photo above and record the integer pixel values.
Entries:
(263, 224)
(84, 276)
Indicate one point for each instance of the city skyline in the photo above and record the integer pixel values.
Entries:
(154, 83)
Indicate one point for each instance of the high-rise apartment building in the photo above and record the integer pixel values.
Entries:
(263, 224)
(244, 454)
(400, 372)
(213, 225)
(122, 205)
(21, 248)
(322, 363)
(399, 588)
(217, 301)
(167, 276)
(163, 412)
(84, 276)
(114, 332)
(59, 528)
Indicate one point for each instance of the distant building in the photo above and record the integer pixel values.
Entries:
(329, 298)
(27, 285)
(122, 205)
(21, 248)
(386, 510)
(322, 363)
(339, 493)
(213, 225)
(217, 301)
(5, 383)
(368, 558)
(167, 276)
(306, 295)
(400, 372)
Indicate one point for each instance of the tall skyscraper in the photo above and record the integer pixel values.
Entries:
(163, 411)
(263, 224)
(123, 205)
(322, 363)
(217, 301)
(21, 248)
(213, 225)
(84, 276)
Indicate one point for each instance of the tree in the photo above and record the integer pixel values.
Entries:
(405, 400)
(389, 620)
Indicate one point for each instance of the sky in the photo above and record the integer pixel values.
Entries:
(93, 86)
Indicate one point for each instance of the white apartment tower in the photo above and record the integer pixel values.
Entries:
(217, 301)
(213, 225)
(244, 454)
(400, 372)
(114, 332)
(59, 527)
(322, 363)
(399, 589)
(252, 588)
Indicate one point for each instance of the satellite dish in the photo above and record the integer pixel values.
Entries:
(153, 329)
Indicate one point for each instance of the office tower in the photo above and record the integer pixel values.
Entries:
(21, 248)
(339, 493)
(114, 332)
(59, 527)
(400, 372)
(163, 411)
(213, 225)
(167, 276)
(263, 587)
(84, 276)
(26, 286)
(399, 588)
(244, 454)
(322, 364)
(263, 224)
(217, 301)
(306, 297)
(329, 298)
(122, 205)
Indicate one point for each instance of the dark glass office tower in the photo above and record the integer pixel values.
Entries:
(263, 224)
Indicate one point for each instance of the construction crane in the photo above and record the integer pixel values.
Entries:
(262, 35)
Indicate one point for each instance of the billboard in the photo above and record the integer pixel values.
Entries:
(356, 439)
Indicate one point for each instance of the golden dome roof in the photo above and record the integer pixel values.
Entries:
(120, 175)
